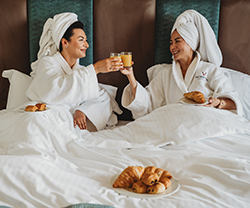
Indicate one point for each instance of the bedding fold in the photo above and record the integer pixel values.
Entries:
(173, 124)
(46, 162)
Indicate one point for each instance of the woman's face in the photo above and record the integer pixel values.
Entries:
(78, 44)
(179, 48)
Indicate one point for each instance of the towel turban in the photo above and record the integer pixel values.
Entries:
(53, 31)
(198, 34)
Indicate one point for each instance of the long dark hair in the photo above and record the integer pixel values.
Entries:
(69, 32)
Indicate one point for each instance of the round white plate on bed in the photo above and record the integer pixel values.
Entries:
(23, 110)
(186, 101)
(175, 185)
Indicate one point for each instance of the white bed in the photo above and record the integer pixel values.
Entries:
(45, 162)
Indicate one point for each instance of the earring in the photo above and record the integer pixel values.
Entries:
(66, 47)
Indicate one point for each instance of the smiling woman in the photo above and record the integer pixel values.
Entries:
(58, 78)
(195, 54)
(74, 43)
(181, 51)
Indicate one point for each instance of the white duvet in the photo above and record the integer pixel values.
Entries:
(45, 162)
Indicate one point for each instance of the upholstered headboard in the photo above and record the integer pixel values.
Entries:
(142, 27)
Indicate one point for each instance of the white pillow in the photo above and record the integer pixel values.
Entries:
(241, 84)
(19, 83)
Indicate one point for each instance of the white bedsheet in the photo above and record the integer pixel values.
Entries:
(45, 162)
(171, 124)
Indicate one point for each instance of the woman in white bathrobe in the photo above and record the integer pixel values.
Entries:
(195, 67)
(58, 78)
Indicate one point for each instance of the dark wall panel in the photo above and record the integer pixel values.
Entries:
(14, 48)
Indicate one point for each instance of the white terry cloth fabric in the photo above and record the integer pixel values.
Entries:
(56, 83)
(99, 110)
(196, 31)
(53, 32)
(166, 86)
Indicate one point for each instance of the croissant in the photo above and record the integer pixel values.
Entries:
(196, 96)
(139, 187)
(156, 188)
(164, 177)
(150, 169)
(31, 108)
(150, 178)
(41, 106)
(128, 176)
(153, 175)
(163, 173)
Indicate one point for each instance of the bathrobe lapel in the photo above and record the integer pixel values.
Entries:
(191, 71)
(64, 65)
(178, 76)
(184, 84)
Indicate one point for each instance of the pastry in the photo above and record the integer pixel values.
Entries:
(164, 177)
(150, 179)
(150, 169)
(139, 187)
(165, 181)
(153, 175)
(149, 176)
(31, 108)
(128, 176)
(163, 173)
(41, 106)
(195, 96)
(156, 188)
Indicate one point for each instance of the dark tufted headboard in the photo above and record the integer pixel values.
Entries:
(124, 25)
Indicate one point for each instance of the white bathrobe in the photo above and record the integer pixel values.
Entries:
(166, 86)
(56, 83)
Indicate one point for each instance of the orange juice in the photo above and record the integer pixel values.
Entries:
(126, 59)
(115, 55)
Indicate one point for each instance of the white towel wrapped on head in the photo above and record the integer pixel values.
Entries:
(197, 32)
(53, 31)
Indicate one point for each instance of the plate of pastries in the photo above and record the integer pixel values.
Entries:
(194, 98)
(144, 182)
(38, 107)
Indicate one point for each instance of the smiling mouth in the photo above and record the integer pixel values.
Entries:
(175, 52)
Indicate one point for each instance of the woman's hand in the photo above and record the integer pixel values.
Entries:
(80, 119)
(127, 71)
(224, 103)
(108, 65)
(131, 78)
(213, 102)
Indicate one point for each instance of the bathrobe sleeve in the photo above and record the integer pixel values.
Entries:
(223, 88)
(100, 111)
(149, 98)
(53, 86)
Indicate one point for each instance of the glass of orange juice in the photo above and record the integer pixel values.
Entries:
(115, 55)
(126, 59)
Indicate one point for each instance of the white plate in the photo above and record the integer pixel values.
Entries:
(186, 101)
(23, 110)
(128, 191)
